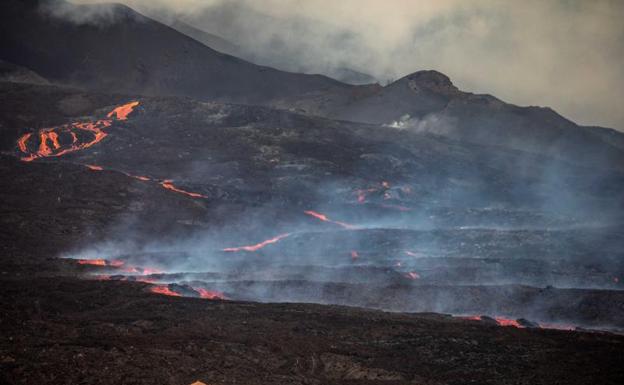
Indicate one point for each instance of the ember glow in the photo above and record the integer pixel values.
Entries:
(139, 177)
(324, 218)
(354, 255)
(95, 262)
(122, 112)
(200, 291)
(362, 194)
(209, 294)
(168, 184)
(101, 262)
(508, 322)
(164, 290)
(257, 246)
(500, 321)
(60, 140)
(93, 167)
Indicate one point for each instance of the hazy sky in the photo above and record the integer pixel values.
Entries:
(566, 54)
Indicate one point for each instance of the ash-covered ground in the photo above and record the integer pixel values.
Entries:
(227, 203)
(172, 214)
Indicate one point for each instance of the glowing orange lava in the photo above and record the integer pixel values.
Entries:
(354, 255)
(209, 294)
(168, 184)
(53, 142)
(500, 321)
(363, 193)
(324, 218)
(122, 112)
(95, 262)
(93, 167)
(257, 246)
(101, 262)
(21, 143)
(164, 290)
(508, 322)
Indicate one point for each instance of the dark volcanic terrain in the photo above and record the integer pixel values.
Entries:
(173, 214)
(397, 236)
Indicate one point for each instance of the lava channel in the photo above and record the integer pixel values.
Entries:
(324, 218)
(257, 246)
(168, 184)
(60, 140)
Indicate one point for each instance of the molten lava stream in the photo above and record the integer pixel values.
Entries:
(93, 167)
(508, 322)
(168, 184)
(164, 290)
(50, 145)
(122, 112)
(324, 218)
(209, 294)
(101, 262)
(257, 246)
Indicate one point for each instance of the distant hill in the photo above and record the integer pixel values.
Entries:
(131, 53)
(10, 72)
(126, 52)
(428, 101)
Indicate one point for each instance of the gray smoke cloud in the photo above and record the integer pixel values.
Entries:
(566, 54)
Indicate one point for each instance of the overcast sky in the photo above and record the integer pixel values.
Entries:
(566, 54)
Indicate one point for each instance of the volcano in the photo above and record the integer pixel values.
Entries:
(167, 203)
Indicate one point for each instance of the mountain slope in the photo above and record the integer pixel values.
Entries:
(428, 101)
(128, 52)
(213, 41)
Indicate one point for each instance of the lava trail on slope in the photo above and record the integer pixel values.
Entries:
(66, 138)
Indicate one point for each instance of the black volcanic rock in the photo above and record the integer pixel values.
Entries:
(213, 41)
(122, 51)
(427, 101)
(10, 72)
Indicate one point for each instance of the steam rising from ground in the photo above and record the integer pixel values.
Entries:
(530, 52)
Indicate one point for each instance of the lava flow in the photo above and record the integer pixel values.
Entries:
(209, 294)
(60, 140)
(188, 291)
(508, 322)
(363, 193)
(93, 167)
(164, 290)
(324, 218)
(122, 112)
(101, 262)
(168, 184)
(257, 246)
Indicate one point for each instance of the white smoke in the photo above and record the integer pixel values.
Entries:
(433, 124)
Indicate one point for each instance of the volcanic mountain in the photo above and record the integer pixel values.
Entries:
(122, 51)
(153, 202)
(289, 205)
(114, 50)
